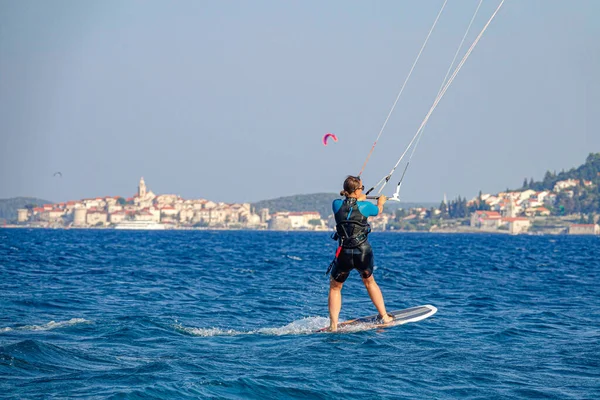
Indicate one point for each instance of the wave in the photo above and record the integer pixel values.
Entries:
(302, 326)
(209, 332)
(299, 327)
(47, 327)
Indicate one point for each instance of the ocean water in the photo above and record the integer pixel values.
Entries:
(231, 315)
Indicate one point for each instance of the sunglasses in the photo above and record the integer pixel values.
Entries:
(361, 188)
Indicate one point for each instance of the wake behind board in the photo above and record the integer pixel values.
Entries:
(401, 317)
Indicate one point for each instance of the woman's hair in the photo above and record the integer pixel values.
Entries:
(350, 185)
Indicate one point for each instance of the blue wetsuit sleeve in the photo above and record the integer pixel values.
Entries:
(336, 205)
(368, 209)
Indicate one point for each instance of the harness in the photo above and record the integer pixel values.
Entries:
(351, 229)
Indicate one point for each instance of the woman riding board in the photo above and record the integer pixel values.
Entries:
(355, 251)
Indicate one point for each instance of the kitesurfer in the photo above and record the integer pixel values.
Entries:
(354, 251)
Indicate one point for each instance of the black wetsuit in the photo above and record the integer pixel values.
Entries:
(352, 232)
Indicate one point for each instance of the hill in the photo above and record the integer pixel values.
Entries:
(589, 171)
(584, 200)
(320, 202)
(9, 207)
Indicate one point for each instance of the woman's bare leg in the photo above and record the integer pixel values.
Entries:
(335, 303)
(376, 297)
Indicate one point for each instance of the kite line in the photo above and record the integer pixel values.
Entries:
(403, 86)
(445, 85)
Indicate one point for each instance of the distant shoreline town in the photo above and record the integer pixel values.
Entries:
(513, 212)
(146, 210)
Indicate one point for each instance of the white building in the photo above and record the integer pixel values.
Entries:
(584, 229)
(93, 203)
(79, 216)
(517, 225)
(144, 216)
(219, 215)
(22, 215)
(526, 194)
(301, 220)
(186, 215)
(55, 214)
(113, 208)
(166, 199)
(486, 219)
(117, 216)
(253, 220)
(209, 204)
(169, 211)
(280, 222)
(264, 215)
(201, 216)
(561, 185)
(96, 217)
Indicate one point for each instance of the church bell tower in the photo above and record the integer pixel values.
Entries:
(142, 188)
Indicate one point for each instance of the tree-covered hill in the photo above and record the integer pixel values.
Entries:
(9, 207)
(585, 199)
(320, 202)
(589, 171)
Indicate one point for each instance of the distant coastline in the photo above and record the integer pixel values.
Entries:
(515, 212)
(564, 203)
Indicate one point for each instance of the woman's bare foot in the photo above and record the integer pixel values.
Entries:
(386, 319)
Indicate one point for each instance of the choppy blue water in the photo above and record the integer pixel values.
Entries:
(200, 314)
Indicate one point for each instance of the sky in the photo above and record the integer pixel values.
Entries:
(229, 101)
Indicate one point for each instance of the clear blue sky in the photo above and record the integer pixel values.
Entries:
(229, 100)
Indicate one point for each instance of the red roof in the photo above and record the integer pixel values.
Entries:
(479, 212)
(513, 219)
(489, 214)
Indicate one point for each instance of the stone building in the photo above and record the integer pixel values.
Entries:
(280, 222)
(584, 229)
(22, 215)
(486, 219)
(517, 225)
(96, 217)
(79, 216)
(117, 216)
